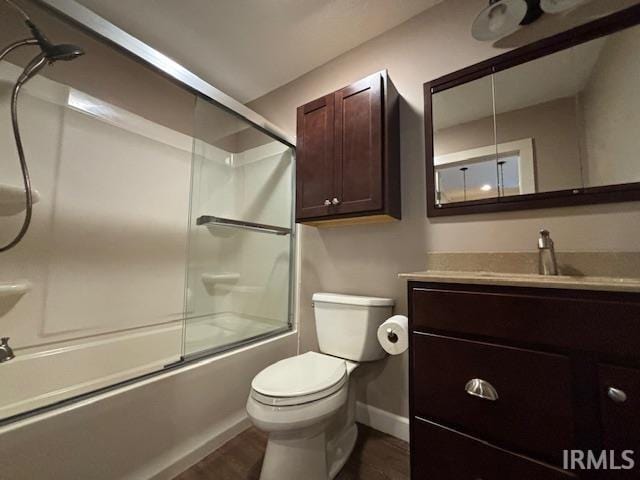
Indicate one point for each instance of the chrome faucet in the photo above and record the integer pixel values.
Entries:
(6, 353)
(547, 264)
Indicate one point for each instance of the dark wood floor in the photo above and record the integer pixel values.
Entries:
(376, 456)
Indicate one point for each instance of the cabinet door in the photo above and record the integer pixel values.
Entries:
(439, 453)
(315, 163)
(532, 410)
(358, 131)
(620, 406)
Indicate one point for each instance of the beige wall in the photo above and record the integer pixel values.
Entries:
(366, 259)
(553, 126)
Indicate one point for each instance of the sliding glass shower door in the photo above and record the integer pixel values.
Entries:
(240, 234)
(136, 180)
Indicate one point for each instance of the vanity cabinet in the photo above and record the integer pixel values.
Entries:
(504, 379)
(348, 155)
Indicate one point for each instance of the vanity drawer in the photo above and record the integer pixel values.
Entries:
(439, 453)
(620, 408)
(604, 322)
(533, 410)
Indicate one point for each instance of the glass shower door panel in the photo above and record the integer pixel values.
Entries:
(239, 270)
(238, 287)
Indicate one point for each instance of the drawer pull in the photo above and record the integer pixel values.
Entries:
(617, 395)
(482, 389)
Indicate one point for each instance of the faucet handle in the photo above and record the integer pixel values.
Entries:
(544, 241)
(4, 340)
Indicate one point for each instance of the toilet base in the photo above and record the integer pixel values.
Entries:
(292, 456)
(340, 450)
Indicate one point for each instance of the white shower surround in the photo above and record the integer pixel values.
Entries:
(107, 249)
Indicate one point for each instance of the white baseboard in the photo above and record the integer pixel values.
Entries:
(384, 421)
(196, 451)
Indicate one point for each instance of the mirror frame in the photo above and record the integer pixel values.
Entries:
(626, 192)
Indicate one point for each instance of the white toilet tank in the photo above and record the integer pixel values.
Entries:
(347, 325)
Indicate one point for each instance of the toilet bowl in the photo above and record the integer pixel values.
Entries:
(303, 403)
(307, 403)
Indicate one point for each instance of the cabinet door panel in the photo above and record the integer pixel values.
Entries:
(442, 454)
(621, 407)
(315, 162)
(358, 130)
(533, 409)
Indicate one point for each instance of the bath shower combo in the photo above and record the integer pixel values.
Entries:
(49, 53)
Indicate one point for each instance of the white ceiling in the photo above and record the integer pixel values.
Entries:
(248, 48)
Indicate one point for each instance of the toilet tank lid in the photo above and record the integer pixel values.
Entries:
(353, 300)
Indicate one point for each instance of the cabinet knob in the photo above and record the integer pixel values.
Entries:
(616, 395)
(335, 201)
(327, 203)
(481, 389)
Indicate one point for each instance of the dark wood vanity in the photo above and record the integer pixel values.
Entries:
(348, 155)
(551, 370)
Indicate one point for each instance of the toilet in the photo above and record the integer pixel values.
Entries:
(307, 403)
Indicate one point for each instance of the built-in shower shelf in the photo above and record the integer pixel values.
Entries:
(12, 199)
(240, 288)
(14, 289)
(212, 222)
(210, 279)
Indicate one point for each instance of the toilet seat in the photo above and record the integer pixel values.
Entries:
(298, 380)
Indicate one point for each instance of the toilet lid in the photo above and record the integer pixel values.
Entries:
(299, 379)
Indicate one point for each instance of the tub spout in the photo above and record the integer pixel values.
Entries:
(6, 353)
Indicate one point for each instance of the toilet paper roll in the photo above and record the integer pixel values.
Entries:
(393, 334)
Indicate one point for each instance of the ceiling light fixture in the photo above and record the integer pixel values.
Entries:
(503, 17)
(486, 187)
(500, 18)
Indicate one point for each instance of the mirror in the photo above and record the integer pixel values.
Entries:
(550, 125)
(462, 172)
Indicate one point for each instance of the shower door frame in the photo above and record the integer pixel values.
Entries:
(97, 27)
(101, 29)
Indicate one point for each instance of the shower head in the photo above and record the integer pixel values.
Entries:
(50, 54)
(63, 51)
(53, 52)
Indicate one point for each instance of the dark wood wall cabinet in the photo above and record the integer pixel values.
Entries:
(504, 380)
(348, 155)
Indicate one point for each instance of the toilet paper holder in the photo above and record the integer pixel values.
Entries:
(391, 335)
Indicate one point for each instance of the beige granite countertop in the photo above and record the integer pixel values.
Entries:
(614, 284)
